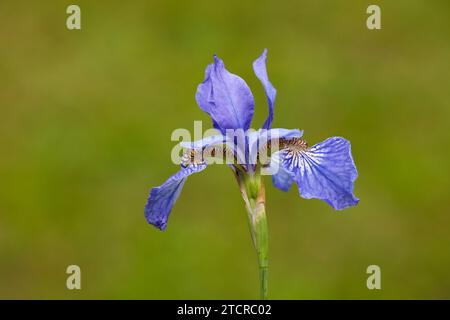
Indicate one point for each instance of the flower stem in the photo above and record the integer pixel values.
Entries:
(263, 281)
(253, 192)
(262, 246)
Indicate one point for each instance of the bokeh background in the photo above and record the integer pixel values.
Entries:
(85, 124)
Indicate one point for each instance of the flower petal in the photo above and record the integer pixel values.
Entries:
(270, 134)
(204, 91)
(325, 171)
(225, 97)
(259, 67)
(222, 143)
(258, 140)
(281, 178)
(203, 143)
(162, 198)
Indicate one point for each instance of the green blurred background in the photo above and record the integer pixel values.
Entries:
(85, 124)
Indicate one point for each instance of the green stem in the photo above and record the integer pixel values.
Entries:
(263, 282)
(262, 246)
(252, 190)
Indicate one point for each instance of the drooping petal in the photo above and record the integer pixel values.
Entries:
(281, 178)
(225, 97)
(259, 67)
(162, 198)
(325, 171)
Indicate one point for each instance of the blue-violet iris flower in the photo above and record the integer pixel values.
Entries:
(324, 171)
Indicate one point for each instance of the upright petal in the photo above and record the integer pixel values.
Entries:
(162, 198)
(325, 171)
(204, 91)
(259, 67)
(225, 97)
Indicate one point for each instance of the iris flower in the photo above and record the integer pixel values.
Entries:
(324, 171)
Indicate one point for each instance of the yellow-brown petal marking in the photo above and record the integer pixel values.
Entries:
(294, 144)
(191, 156)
